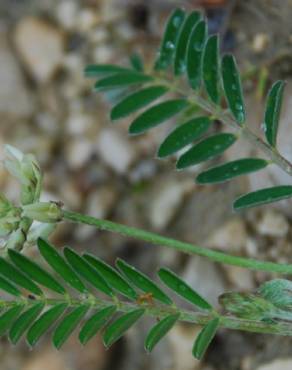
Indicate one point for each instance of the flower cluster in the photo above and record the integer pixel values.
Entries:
(16, 223)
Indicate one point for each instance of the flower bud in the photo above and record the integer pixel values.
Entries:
(9, 220)
(5, 205)
(26, 169)
(43, 212)
(247, 305)
(278, 292)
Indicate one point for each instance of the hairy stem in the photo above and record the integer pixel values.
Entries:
(176, 244)
(159, 311)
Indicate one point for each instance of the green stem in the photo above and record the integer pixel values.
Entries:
(177, 245)
(159, 311)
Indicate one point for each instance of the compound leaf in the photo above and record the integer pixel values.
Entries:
(136, 101)
(68, 324)
(175, 283)
(159, 330)
(119, 80)
(8, 317)
(206, 149)
(183, 135)
(272, 111)
(182, 42)
(142, 282)
(157, 114)
(44, 322)
(112, 277)
(195, 53)
(117, 328)
(14, 275)
(230, 170)
(35, 272)
(169, 39)
(95, 323)
(211, 68)
(84, 269)
(8, 287)
(24, 321)
(263, 196)
(96, 70)
(58, 264)
(205, 337)
(232, 88)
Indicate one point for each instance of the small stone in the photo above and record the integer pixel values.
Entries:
(204, 276)
(232, 236)
(66, 13)
(12, 87)
(99, 35)
(78, 152)
(166, 200)
(241, 279)
(100, 203)
(273, 223)
(181, 340)
(115, 150)
(251, 247)
(144, 170)
(103, 53)
(280, 364)
(40, 46)
(78, 123)
(71, 195)
(125, 31)
(260, 42)
(47, 360)
(86, 20)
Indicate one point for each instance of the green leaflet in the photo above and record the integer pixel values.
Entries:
(206, 149)
(194, 54)
(95, 323)
(159, 330)
(44, 322)
(232, 88)
(117, 328)
(263, 196)
(205, 337)
(35, 272)
(119, 80)
(8, 287)
(175, 283)
(96, 70)
(170, 36)
(230, 170)
(142, 282)
(24, 321)
(272, 112)
(136, 101)
(211, 68)
(183, 135)
(84, 269)
(182, 42)
(137, 62)
(7, 318)
(58, 264)
(68, 325)
(157, 114)
(17, 277)
(112, 277)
